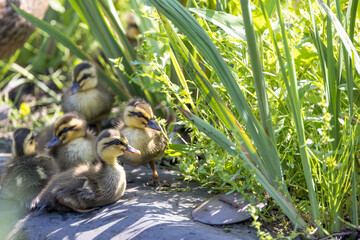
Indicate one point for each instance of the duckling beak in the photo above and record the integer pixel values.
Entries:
(153, 125)
(130, 149)
(75, 88)
(54, 142)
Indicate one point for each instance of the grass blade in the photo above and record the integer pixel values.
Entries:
(229, 23)
(257, 70)
(343, 35)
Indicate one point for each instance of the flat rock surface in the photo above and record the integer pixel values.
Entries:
(224, 209)
(142, 213)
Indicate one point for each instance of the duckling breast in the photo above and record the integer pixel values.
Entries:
(93, 105)
(143, 140)
(111, 184)
(78, 151)
(118, 178)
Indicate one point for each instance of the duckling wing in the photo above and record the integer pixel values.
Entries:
(82, 194)
(158, 143)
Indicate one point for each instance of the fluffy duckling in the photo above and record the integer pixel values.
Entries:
(72, 143)
(142, 133)
(28, 171)
(87, 96)
(85, 187)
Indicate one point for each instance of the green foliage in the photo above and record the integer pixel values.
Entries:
(303, 102)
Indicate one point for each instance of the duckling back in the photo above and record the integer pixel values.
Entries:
(82, 189)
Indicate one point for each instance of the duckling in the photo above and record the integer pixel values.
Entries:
(87, 96)
(85, 187)
(72, 143)
(28, 171)
(142, 133)
(132, 30)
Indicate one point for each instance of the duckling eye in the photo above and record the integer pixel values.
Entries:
(139, 115)
(114, 142)
(66, 129)
(85, 76)
(117, 142)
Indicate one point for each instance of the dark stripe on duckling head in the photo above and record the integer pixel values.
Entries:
(66, 118)
(102, 135)
(80, 67)
(19, 137)
(141, 104)
(65, 130)
(114, 142)
(139, 115)
(85, 76)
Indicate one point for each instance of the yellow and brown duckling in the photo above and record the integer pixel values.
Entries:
(85, 187)
(72, 143)
(142, 133)
(87, 96)
(28, 171)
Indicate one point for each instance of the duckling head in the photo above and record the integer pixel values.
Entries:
(68, 127)
(110, 144)
(84, 77)
(23, 142)
(139, 114)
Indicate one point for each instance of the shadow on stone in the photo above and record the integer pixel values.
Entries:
(143, 213)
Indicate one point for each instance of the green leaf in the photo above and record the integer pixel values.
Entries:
(343, 35)
(230, 24)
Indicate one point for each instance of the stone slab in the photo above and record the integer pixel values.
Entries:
(224, 209)
(143, 213)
